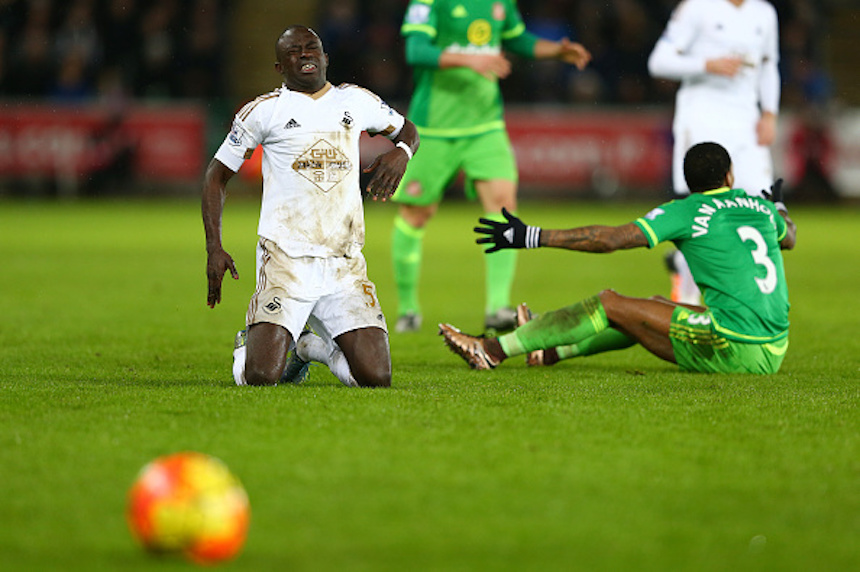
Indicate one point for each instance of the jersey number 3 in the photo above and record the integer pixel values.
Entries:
(767, 284)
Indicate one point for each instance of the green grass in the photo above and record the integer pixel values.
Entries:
(110, 357)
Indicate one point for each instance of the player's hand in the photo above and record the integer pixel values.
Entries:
(490, 65)
(774, 195)
(217, 264)
(765, 129)
(511, 234)
(574, 53)
(728, 67)
(387, 170)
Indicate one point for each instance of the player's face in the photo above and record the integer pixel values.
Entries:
(301, 60)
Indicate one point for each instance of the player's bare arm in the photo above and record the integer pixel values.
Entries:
(790, 238)
(218, 261)
(389, 167)
(514, 233)
(766, 129)
(485, 64)
(595, 238)
(569, 52)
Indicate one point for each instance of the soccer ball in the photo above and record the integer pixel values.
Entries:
(189, 503)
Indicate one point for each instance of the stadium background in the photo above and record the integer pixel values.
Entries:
(132, 97)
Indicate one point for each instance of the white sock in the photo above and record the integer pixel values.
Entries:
(687, 290)
(340, 368)
(239, 365)
(311, 347)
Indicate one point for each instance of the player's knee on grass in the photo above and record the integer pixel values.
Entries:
(373, 374)
(257, 373)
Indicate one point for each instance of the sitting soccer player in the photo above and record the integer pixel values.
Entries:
(732, 243)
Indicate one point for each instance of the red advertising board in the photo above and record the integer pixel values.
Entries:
(558, 148)
(166, 143)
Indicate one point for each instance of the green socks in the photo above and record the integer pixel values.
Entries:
(605, 341)
(501, 266)
(406, 252)
(583, 325)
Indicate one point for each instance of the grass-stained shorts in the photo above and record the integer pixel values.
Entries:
(333, 294)
(698, 347)
(487, 156)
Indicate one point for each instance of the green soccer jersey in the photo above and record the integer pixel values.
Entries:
(731, 243)
(458, 102)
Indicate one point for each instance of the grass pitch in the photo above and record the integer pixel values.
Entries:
(109, 357)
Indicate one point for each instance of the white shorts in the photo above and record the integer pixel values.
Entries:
(332, 295)
(752, 164)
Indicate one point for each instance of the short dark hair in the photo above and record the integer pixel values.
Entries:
(706, 166)
(291, 28)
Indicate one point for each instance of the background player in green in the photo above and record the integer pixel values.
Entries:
(732, 243)
(455, 48)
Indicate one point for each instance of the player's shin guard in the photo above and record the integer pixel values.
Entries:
(499, 278)
(564, 327)
(406, 251)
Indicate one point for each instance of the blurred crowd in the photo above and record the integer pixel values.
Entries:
(364, 42)
(74, 50)
(79, 49)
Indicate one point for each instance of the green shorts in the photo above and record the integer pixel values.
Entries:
(481, 157)
(698, 347)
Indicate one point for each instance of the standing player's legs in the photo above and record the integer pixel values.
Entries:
(501, 265)
(752, 166)
(418, 195)
(491, 168)
(407, 250)
(683, 287)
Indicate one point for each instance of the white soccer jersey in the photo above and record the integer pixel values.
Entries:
(312, 204)
(710, 107)
(700, 30)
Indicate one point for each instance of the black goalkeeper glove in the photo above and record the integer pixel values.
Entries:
(511, 234)
(775, 195)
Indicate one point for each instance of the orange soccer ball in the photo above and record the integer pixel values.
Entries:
(189, 503)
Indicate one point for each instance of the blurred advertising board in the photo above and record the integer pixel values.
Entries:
(604, 151)
(165, 143)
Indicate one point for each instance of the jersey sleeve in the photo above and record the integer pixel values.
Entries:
(381, 119)
(514, 26)
(666, 222)
(769, 82)
(420, 18)
(670, 59)
(245, 135)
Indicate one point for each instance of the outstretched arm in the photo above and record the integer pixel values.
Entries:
(218, 261)
(514, 233)
(595, 238)
(569, 52)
